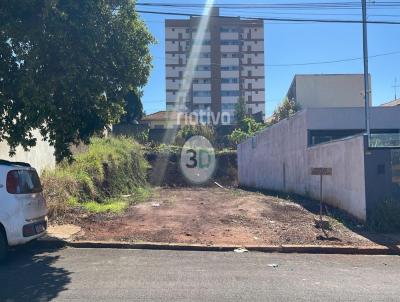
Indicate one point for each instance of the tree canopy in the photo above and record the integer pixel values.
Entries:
(285, 110)
(248, 127)
(65, 67)
(133, 107)
(240, 111)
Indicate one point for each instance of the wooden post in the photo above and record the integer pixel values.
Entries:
(321, 172)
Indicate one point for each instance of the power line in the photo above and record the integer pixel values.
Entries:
(356, 4)
(276, 19)
(313, 63)
(333, 61)
(279, 6)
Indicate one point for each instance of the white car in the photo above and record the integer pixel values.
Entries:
(22, 205)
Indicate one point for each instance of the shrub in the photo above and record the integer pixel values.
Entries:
(142, 137)
(110, 167)
(187, 132)
(385, 217)
(287, 109)
(248, 127)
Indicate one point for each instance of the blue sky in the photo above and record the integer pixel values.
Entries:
(287, 43)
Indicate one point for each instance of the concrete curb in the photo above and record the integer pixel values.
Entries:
(301, 249)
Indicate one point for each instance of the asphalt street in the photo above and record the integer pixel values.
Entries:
(144, 275)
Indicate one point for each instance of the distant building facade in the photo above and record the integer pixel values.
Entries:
(392, 103)
(167, 120)
(328, 90)
(230, 66)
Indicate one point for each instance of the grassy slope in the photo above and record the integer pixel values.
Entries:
(98, 179)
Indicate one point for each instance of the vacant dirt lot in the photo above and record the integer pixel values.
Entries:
(216, 216)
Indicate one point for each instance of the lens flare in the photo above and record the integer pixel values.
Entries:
(161, 163)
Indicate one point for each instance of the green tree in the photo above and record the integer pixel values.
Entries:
(133, 108)
(65, 67)
(248, 128)
(285, 110)
(240, 110)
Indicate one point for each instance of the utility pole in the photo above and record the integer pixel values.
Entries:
(366, 73)
(395, 88)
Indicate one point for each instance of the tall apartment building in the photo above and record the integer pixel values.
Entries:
(230, 66)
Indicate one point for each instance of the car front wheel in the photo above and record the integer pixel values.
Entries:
(3, 246)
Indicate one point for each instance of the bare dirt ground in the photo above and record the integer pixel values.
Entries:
(215, 216)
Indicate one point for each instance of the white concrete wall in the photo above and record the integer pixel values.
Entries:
(279, 159)
(261, 159)
(40, 157)
(313, 91)
(345, 189)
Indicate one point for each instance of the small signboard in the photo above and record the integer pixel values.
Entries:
(321, 171)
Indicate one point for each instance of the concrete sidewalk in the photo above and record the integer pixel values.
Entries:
(64, 235)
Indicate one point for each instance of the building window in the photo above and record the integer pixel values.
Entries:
(201, 93)
(230, 93)
(249, 98)
(228, 106)
(229, 68)
(203, 68)
(229, 80)
(230, 42)
(204, 42)
(229, 29)
(204, 55)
